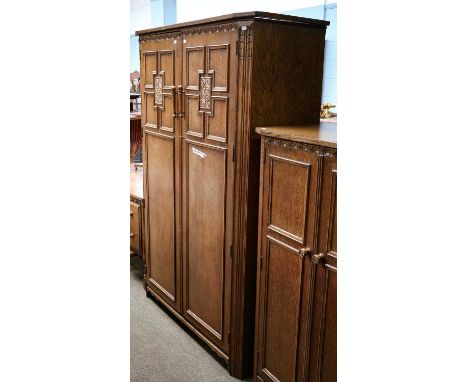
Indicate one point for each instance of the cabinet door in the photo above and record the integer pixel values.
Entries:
(322, 366)
(290, 184)
(209, 73)
(160, 74)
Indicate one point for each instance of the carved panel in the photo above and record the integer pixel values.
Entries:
(205, 93)
(289, 181)
(205, 226)
(320, 151)
(159, 36)
(158, 90)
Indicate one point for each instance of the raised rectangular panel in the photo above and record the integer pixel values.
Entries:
(167, 114)
(160, 190)
(167, 65)
(195, 64)
(217, 121)
(194, 117)
(205, 254)
(289, 194)
(218, 64)
(282, 296)
(150, 67)
(151, 115)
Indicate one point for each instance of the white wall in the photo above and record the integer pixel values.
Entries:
(186, 9)
(145, 14)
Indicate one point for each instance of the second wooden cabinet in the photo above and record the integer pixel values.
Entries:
(297, 262)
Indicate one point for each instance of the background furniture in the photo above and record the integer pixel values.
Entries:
(297, 255)
(205, 86)
(137, 204)
(136, 135)
(135, 102)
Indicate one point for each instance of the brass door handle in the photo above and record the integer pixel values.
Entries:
(317, 258)
(174, 101)
(131, 213)
(181, 93)
(304, 251)
(132, 234)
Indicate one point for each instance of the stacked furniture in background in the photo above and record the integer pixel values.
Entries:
(206, 85)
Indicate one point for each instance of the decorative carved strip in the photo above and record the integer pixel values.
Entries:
(320, 151)
(207, 29)
(205, 96)
(158, 92)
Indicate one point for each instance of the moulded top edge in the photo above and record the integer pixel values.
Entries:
(256, 15)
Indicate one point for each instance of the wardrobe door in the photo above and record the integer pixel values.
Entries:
(209, 88)
(323, 360)
(160, 64)
(289, 209)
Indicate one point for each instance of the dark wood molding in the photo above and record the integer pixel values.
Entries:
(238, 363)
(250, 16)
(320, 151)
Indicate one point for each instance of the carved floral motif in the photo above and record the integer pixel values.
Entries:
(205, 93)
(189, 32)
(158, 93)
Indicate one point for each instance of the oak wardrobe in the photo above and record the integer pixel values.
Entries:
(206, 85)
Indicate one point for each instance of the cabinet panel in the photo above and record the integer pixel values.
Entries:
(291, 180)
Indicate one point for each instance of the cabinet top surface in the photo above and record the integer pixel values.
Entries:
(323, 134)
(136, 182)
(233, 17)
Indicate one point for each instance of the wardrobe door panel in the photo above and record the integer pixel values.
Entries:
(205, 233)
(161, 210)
(209, 71)
(161, 66)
